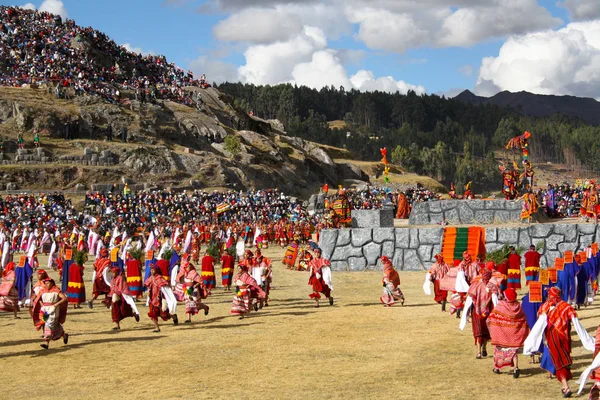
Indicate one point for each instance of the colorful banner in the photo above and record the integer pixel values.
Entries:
(544, 277)
(568, 257)
(535, 292)
(559, 264)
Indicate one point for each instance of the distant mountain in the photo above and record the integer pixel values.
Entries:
(539, 105)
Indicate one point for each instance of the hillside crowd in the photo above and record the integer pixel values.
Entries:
(39, 47)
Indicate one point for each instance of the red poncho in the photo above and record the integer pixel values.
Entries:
(507, 324)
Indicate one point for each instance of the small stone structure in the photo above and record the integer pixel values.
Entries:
(106, 158)
(40, 155)
(30, 156)
(383, 218)
(414, 249)
(466, 212)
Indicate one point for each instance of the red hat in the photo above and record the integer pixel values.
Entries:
(486, 275)
(385, 259)
(439, 257)
(510, 294)
(554, 293)
(490, 265)
(115, 270)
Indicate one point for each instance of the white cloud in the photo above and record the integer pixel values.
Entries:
(382, 29)
(28, 6)
(215, 70)
(467, 26)
(273, 63)
(306, 60)
(365, 81)
(563, 62)
(392, 25)
(259, 26)
(582, 10)
(54, 7)
(325, 69)
(137, 50)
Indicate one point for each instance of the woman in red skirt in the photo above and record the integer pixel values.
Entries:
(320, 278)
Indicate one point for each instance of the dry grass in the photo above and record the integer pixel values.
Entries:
(356, 349)
(337, 124)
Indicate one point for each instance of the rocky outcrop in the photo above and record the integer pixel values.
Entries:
(168, 142)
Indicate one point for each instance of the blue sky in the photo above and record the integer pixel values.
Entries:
(437, 46)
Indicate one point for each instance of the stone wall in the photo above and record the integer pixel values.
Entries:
(413, 249)
(466, 212)
(556, 238)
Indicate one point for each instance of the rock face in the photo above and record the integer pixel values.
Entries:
(168, 143)
(414, 249)
(466, 212)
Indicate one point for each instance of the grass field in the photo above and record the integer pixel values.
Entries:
(356, 349)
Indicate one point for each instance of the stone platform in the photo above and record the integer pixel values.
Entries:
(466, 212)
(413, 248)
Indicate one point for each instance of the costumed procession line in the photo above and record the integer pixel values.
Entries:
(539, 325)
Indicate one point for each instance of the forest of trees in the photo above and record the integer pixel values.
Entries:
(443, 138)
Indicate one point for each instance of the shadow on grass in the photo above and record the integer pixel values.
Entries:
(241, 324)
(54, 350)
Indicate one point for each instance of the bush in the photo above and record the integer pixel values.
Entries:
(80, 257)
(136, 253)
(233, 145)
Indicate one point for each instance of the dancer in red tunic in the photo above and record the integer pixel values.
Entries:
(100, 286)
(49, 312)
(122, 305)
(508, 328)
(134, 277)
(532, 265)
(227, 265)
(245, 285)
(320, 278)
(484, 295)
(436, 273)
(514, 269)
(558, 336)
(391, 284)
(159, 299)
(193, 290)
(9, 297)
(208, 272)
(76, 286)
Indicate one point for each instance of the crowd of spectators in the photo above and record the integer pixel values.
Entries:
(269, 205)
(162, 207)
(372, 198)
(36, 210)
(561, 201)
(40, 48)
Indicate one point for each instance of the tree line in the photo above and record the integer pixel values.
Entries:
(429, 134)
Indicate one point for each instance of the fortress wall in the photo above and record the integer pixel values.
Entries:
(412, 249)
